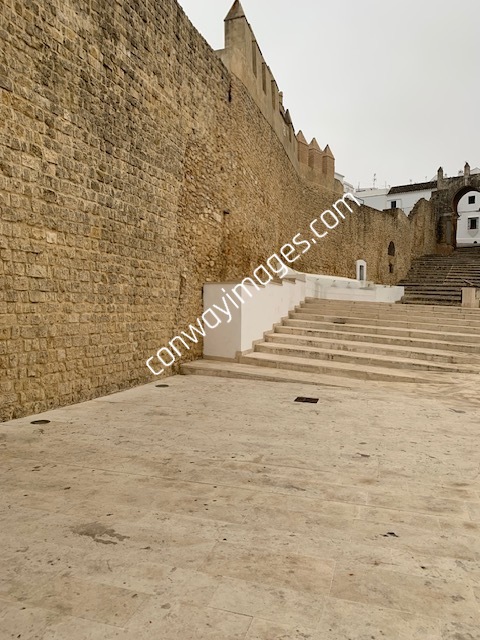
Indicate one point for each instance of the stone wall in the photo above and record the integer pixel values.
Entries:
(134, 167)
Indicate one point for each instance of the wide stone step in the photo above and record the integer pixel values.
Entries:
(433, 284)
(439, 277)
(430, 298)
(349, 370)
(438, 299)
(351, 306)
(434, 281)
(401, 332)
(433, 295)
(446, 303)
(382, 339)
(443, 292)
(436, 290)
(375, 319)
(365, 359)
(430, 354)
(283, 371)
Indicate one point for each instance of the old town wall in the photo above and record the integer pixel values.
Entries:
(134, 167)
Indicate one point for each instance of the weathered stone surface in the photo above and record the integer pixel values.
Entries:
(242, 515)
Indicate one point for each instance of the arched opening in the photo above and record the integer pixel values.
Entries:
(466, 217)
(391, 258)
(361, 268)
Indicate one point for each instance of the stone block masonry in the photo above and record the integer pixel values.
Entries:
(124, 140)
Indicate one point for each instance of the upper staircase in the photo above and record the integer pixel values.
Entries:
(439, 280)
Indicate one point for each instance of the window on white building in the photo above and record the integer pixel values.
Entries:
(473, 223)
(393, 204)
(471, 199)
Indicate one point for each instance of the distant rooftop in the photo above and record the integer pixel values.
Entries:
(419, 186)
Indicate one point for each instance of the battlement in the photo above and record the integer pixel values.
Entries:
(314, 164)
(243, 57)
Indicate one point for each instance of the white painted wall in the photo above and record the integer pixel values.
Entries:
(333, 288)
(380, 199)
(406, 201)
(375, 198)
(468, 237)
(268, 305)
(258, 314)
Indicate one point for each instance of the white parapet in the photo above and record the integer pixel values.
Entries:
(334, 288)
(263, 307)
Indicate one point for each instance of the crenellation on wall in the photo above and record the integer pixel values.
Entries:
(317, 165)
(243, 57)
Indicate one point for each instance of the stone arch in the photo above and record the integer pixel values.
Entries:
(455, 202)
(460, 193)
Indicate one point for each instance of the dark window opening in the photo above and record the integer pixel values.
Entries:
(471, 199)
(473, 223)
(391, 249)
(390, 268)
(393, 204)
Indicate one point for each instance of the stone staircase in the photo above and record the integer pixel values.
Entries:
(439, 279)
(327, 340)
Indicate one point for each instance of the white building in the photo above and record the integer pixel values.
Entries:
(404, 197)
(375, 198)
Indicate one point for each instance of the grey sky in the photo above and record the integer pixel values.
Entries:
(392, 86)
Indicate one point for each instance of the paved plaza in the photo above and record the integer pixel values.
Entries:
(221, 509)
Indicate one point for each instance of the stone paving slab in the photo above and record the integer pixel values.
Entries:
(220, 509)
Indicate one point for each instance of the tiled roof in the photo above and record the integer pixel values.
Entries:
(419, 186)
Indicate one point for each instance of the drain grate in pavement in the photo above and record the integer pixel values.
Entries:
(309, 400)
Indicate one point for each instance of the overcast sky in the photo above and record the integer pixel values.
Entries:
(392, 86)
